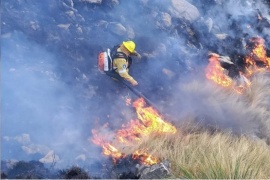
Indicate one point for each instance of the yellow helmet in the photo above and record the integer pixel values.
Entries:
(130, 45)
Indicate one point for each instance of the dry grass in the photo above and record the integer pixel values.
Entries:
(247, 113)
(208, 154)
(220, 155)
(258, 101)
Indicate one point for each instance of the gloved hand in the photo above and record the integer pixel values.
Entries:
(139, 56)
(135, 53)
(134, 83)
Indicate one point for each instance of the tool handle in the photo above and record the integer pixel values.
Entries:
(138, 93)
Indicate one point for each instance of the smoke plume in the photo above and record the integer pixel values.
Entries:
(53, 94)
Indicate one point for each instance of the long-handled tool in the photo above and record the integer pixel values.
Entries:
(139, 94)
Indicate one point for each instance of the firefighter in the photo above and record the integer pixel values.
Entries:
(122, 61)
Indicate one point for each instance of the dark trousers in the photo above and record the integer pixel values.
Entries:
(114, 74)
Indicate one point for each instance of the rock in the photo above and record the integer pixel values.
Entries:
(221, 36)
(63, 26)
(117, 28)
(209, 23)
(168, 73)
(81, 157)
(167, 19)
(79, 30)
(71, 14)
(51, 157)
(102, 24)
(92, 1)
(115, 2)
(130, 33)
(156, 171)
(184, 10)
(164, 20)
(68, 5)
(34, 25)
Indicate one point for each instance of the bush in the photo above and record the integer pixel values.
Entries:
(74, 173)
(28, 170)
(3, 176)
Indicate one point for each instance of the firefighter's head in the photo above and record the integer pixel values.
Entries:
(130, 46)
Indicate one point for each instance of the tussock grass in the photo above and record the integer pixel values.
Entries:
(222, 108)
(211, 156)
(209, 151)
(258, 101)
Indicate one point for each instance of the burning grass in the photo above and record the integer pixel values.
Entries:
(205, 156)
(256, 61)
(199, 153)
(149, 121)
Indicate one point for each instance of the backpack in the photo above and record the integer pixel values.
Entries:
(105, 59)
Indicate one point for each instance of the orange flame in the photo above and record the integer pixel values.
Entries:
(216, 73)
(144, 157)
(149, 121)
(257, 55)
(108, 149)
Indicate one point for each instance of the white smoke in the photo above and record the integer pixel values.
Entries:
(57, 102)
(36, 103)
(220, 108)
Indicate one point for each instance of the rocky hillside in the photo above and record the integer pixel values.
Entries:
(54, 94)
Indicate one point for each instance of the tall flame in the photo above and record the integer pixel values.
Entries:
(149, 121)
(216, 73)
(257, 55)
